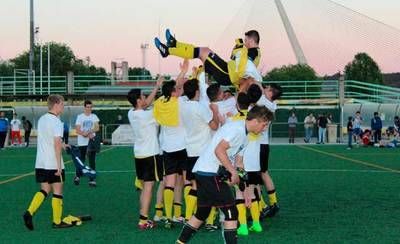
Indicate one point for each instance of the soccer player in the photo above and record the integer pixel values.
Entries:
(270, 95)
(198, 121)
(146, 148)
(86, 125)
(244, 59)
(49, 167)
(226, 147)
(168, 114)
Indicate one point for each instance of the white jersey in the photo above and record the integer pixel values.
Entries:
(227, 107)
(251, 155)
(145, 133)
(49, 127)
(263, 101)
(251, 69)
(203, 99)
(235, 134)
(86, 123)
(197, 131)
(172, 138)
(15, 125)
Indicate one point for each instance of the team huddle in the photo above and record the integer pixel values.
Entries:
(209, 147)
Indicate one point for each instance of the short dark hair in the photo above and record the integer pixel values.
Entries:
(167, 89)
(376, 113)
(260, 113)
(133, 95)
(276, 91)
(212, 92)
(242, 101)
(53, 99)
(190, 87)
(87, 102)
(253, 34)
(254, 93)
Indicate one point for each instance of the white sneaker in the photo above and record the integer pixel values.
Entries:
(158, 219)
(180, 219)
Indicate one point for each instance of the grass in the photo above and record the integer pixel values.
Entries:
(327, 195)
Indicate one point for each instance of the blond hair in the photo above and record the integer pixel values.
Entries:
(54, 99)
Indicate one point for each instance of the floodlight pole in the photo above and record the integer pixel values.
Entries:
(32, 44)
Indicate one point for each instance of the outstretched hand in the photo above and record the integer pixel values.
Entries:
(184, 67)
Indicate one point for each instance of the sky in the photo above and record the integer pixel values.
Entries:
(114, 30)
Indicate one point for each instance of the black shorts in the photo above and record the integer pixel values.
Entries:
(264, 155)
(189, 167)
(48, 176)
(254, 178)
(149, 169)
(218, 69)
(174, 162)
(212, 192)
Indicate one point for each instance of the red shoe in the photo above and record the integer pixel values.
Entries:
(148, 225)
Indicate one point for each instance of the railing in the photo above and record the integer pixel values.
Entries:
(293, 90)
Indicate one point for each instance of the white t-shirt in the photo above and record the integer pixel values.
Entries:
(197, 131)
(15, 124)
(227, 106)
(172, 138)
(235, 134)
(203, 99)
(145, 133)
(86, 123)
(49, 127)
(263, 101)
(251, 155)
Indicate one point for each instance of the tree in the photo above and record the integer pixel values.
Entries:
(139, 73)
(6, 68)
(363, 68)
(297, 72)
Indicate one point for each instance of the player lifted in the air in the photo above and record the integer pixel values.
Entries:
(240, 70)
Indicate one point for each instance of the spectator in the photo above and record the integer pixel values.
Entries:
(357, 131)
(292, 122)
(3, 129)
(366, 138)
(397, 123)
(376, 127)
(322, 122)
(66, 133)
(309, 122)
(15, 130)
(27, 128)
(330, 119)
(350, 132)
(119, 120)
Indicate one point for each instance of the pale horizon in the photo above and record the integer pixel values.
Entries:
(113, 31)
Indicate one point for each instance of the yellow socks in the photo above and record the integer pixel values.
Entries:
(159, 210)
(211, 216)
(242, 211)
(191, 203)
(37, 200)
(56, 204)
(143, 219)
(272, 197)
(168, 201)
(255, 211)
(177, 209)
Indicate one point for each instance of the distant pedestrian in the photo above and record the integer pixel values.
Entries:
(15, 130)
(4, 125)
(27, 128)
(292, 122)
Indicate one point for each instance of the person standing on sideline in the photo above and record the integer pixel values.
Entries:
(350, 132)
(292, 122)
(322, 122)
(357, 131)
(27, 128)
(15, 130)
(309, 122)
(87, 124)
(3, 129)
(49, 166)
(376, 127)
(66, 133)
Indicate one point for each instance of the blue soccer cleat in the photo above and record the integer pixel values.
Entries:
(161, 47)
(171, 41)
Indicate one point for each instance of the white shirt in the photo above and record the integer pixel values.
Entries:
(172, 138)
(197, 131)
(251, 155)
(15, 124)
(203, 89)
(49, 127)
(263, 101)
(235, 134)
(86, 123)
(227, 106)
(145, 133)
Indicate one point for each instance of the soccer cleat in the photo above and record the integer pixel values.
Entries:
(270, 211)
(242, 230)
(148, 225)
(62, 225)
(158, 219)
(28, 220)
(168, 224)
(210, 227)
(256, 227)
(77, 180)
(161, 47)
(180, 220)
(171, 41)
(92, 183)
